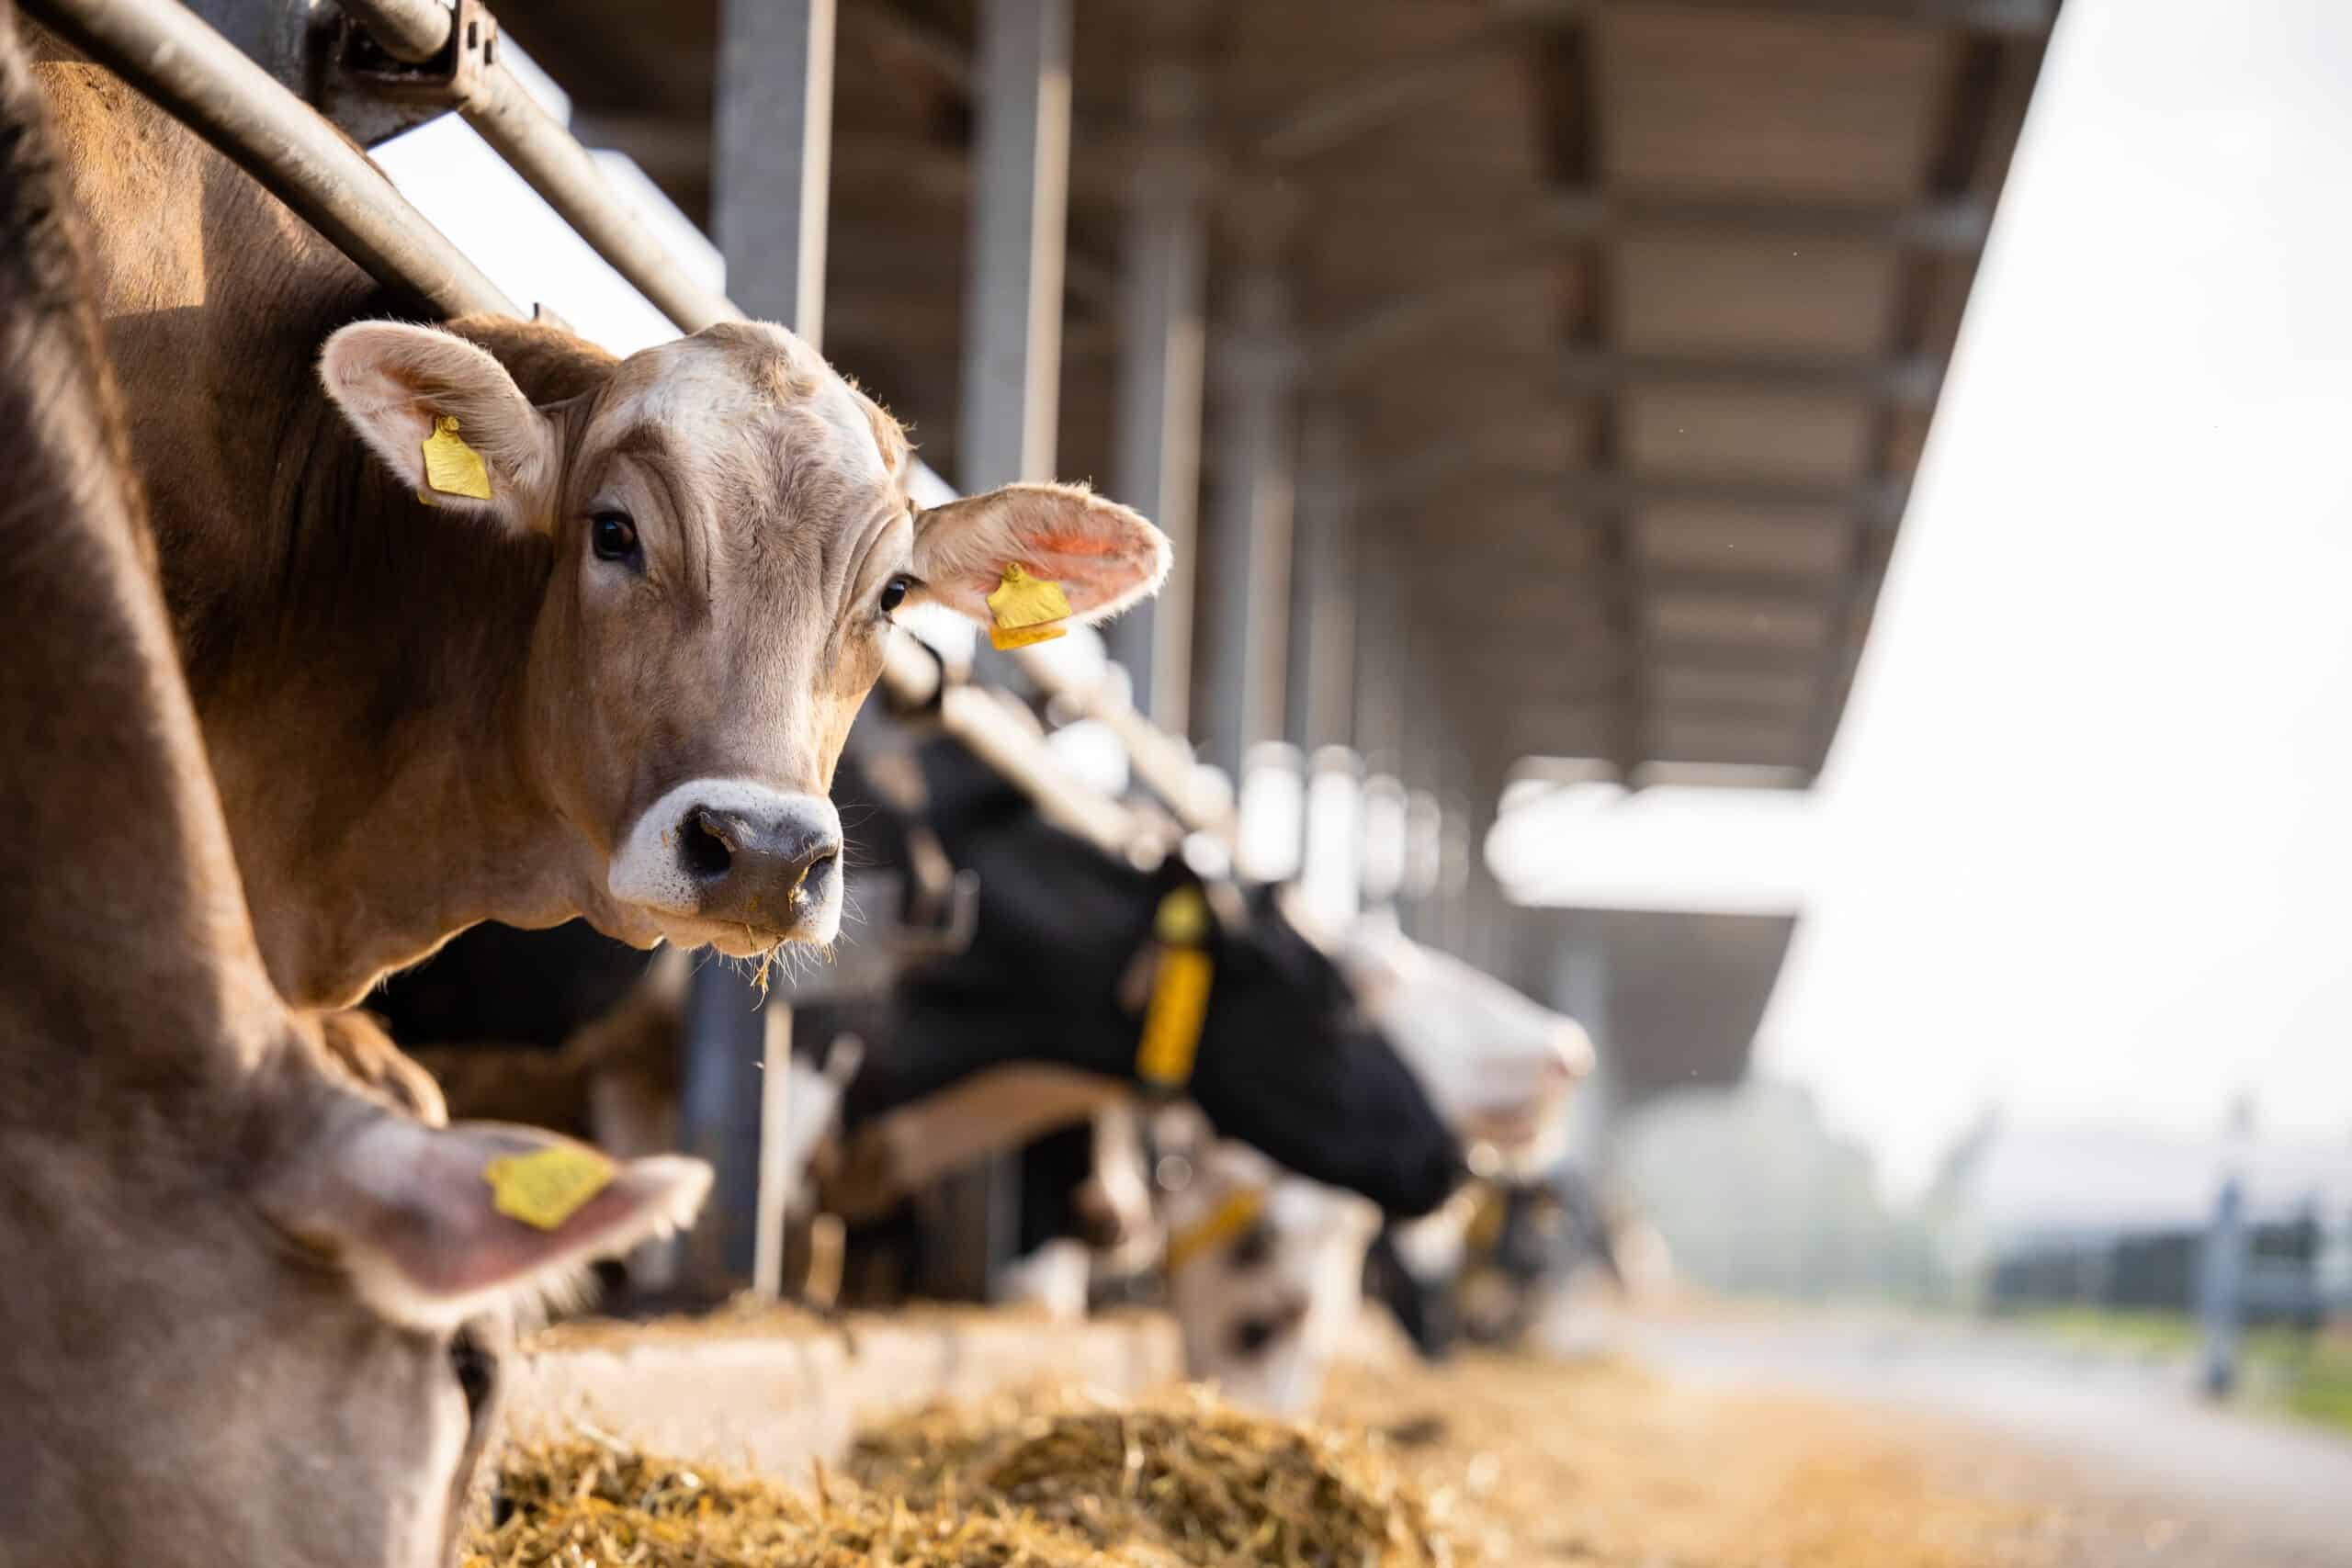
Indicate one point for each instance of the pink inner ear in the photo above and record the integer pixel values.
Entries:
(1075, 544)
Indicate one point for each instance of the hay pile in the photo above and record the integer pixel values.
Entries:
(1185, 1476)
(586, 1502)
(1052, 1484)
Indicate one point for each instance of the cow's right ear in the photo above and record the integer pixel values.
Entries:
(437, 1225)
(399, 387)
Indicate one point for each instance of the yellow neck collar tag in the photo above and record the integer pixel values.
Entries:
(1226, 1220)
(1179, 992)
(1025, 610)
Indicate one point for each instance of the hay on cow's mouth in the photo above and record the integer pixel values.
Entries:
(1067, 1485)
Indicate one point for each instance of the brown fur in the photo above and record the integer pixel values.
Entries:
(423, 716)
(392, 696)
(229, 1281)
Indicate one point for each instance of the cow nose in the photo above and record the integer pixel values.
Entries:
(766, 867)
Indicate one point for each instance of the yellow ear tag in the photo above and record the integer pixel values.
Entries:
(1027, 610)
(546, 1187)
(451, 466)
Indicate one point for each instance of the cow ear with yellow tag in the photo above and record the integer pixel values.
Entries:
(1029, 561)
(444, 417)
(436, 1225)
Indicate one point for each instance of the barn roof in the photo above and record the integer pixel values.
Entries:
(1634, 313)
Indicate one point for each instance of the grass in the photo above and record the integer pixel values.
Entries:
(2308, 1376)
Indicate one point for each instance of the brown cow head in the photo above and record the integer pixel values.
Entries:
(730, 533)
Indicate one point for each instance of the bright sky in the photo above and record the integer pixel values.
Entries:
(2085, 845)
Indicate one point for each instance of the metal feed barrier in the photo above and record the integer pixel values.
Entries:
(397, 63)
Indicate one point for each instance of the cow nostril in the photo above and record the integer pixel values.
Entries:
(707, 852)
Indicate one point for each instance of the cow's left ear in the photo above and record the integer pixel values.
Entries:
(1104, 556)
(445, 416)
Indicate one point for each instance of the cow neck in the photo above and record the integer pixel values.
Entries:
(129, 987)
(367, 731)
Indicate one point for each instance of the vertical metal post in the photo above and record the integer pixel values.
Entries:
(718, 1112)
(774, 138)
(1250, 623)
(774, 143)
(776, 1174)
(1156, 466)
(1322, 695)
(1012, 301)
(2221, 1276)
(1580, 989)
(1376, 625)
(1012, 351)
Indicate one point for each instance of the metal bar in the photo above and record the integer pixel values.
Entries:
(1323, 655)
(554, 163)
(776, 1175)
(1158, 463)
(1012, 311)
(1251, 607)
(773, 159)
(168, 54)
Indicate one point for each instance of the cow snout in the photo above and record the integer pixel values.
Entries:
(736, 863)
(762, 868)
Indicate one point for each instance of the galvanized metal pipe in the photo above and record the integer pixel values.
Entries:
(168, 54)
(551, 159)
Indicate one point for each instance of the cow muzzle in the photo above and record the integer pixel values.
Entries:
(735, 865)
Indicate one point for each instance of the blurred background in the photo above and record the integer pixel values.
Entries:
(1809, 535)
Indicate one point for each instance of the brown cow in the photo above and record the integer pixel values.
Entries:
(617, 688)
(231, 1288)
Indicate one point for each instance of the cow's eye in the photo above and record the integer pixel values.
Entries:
(613, 536)
(894, 592)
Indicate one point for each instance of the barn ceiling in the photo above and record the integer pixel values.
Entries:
(1633, 312)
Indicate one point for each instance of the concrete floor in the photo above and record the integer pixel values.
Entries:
(2215, 1487)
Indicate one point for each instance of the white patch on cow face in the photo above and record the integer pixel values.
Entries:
(734, 864)
(704, 400)
(1263, 1317)
(1498, 1068)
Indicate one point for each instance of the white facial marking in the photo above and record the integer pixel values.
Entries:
(1498, 1068)
(650, 872)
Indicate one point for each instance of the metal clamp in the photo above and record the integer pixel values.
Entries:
(450, 79)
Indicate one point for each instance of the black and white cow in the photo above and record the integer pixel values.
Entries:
(1055, 976)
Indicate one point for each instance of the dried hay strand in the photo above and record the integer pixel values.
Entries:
(579, 1503)
(1051, 1481)
(1186, 1475)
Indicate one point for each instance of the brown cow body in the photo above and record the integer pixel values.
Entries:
(424, 717)
(229, 1323)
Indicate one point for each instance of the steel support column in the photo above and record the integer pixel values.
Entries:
(773, 135)
(1249, 610)
(1156, 464)
(1580, 989)
(1012, 300)
(772, 149)
(1322, 676)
